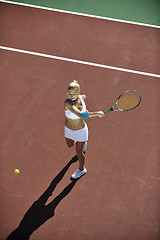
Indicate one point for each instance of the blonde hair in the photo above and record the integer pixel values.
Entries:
(74, 85)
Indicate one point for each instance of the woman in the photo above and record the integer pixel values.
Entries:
(76, 130)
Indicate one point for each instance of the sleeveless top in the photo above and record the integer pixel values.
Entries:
(71, 115)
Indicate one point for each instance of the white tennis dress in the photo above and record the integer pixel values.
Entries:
(76, 135)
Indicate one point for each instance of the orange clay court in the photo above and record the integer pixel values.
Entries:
(119, 197)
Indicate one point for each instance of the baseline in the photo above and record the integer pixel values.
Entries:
(81, 14)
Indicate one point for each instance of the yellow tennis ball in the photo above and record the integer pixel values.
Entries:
(16, 171)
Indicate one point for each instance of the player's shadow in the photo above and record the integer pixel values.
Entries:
(39, 213)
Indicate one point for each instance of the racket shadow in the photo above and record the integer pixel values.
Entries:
(39, 213)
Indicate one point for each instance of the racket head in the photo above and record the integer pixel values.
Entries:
(128, 100)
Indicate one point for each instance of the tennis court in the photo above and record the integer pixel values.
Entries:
(42, 50)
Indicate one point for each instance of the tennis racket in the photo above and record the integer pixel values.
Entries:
(127, 101)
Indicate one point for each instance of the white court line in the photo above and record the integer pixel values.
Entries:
(81, 14)
(79, 61)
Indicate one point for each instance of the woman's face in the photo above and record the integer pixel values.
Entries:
(73, 94)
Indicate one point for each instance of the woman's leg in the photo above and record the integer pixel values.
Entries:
(81, 155)
(70, 143)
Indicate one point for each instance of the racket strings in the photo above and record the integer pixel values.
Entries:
(129, 100)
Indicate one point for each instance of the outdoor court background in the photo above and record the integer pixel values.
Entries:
(119, 196)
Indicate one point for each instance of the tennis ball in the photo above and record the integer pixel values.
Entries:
(16, 171)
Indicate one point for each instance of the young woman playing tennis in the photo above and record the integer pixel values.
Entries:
(76, 130)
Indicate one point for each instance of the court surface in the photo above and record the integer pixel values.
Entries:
(42, 51)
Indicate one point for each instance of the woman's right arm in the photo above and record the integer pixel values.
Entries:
(96, 114)
(69, 104)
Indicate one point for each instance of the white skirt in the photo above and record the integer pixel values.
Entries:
(77, 135)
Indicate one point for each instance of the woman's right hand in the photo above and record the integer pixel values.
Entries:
(100, 114)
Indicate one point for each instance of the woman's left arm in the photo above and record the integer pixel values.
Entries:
(84, 98)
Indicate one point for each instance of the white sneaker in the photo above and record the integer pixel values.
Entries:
(85, 146)
(79, 173)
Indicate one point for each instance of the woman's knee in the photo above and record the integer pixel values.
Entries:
(79, 148)
(79, 152)
(70, 143)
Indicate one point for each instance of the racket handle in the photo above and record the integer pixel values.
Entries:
(109, 110)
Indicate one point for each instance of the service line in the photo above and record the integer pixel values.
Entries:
(79, 61)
